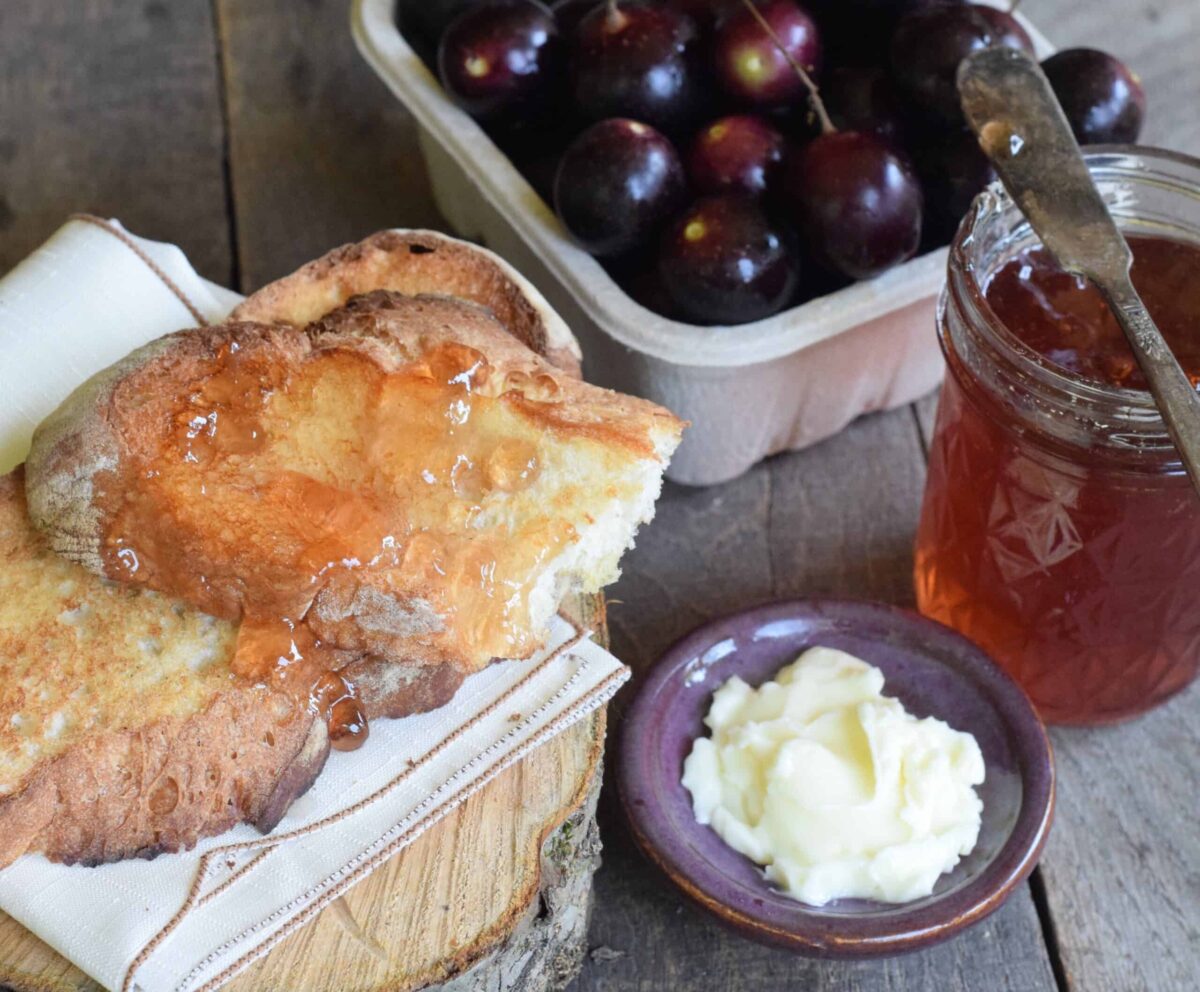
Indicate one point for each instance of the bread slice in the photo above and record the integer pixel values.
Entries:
(556, 477)
(403, 477)
(122, 730)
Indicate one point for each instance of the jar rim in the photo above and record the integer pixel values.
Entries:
(1136, 408)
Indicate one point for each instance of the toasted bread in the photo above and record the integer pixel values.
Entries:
(122, 730)
(403, 477)
(309, 475)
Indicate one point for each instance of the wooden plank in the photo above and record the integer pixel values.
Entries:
(827, 521)
(320, 152)
(1122, 867)
(112, 107)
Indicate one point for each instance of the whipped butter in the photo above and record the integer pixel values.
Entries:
(834, 788)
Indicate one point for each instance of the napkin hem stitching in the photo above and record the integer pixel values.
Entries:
(586, 704)
(134, 247)
(194, 899)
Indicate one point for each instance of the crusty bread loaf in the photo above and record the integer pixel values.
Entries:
(132, 736)
(121, 731)
(388, 434)
(125, 728)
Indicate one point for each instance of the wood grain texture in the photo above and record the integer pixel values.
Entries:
(320, 153)
(836, 520)
(1122, 867)
(112, 107)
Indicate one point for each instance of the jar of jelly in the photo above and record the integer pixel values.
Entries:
(1059, 530)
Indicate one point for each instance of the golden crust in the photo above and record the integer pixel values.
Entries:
(121, 732)
(415, 263)
(77, 800)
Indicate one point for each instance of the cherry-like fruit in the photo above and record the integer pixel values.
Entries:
(748, 61)
(1007, 31)
(856, 201)
(723, 261)
(927, 47)
(864, 99)
(734, 153)
(499, 60)
(616, 184)
(638, 59)
(1101, 96)
(953, 170)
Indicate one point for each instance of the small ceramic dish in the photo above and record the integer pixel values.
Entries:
(928, 667)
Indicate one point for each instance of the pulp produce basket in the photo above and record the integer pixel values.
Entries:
(749, 391)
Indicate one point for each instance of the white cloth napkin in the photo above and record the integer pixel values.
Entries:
(191, 921)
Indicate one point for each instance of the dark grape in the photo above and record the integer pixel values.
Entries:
(928, 46)
(638, 60)
(724, 262)
(749, 64)
(734, 153)
(1101, 96)
(498, 60)
(616, 184)
(855, 200)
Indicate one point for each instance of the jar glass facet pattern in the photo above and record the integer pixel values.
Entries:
(1058, 528)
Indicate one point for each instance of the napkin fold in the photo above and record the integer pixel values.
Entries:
(189, 922)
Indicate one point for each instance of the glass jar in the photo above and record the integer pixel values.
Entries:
(1058, 529)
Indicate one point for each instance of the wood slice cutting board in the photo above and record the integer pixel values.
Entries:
(494, 897)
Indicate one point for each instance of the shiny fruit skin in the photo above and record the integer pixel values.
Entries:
(1007, 31)
(724, 262)
(497, 60)
(926, 49)
(856, 202)
(863, 99)
(953, 170)
(734, 153)
(616, 184)
(639, 62)
(1101, 96)
(748, 63)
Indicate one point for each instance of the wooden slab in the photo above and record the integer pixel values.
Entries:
(493, 897)
(320, 153)
(113, 108)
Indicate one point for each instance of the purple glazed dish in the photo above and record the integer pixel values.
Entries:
(933, 671)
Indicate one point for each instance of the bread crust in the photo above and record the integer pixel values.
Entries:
(160, 788)
(111, 428)
(417, 262)
(137, 791)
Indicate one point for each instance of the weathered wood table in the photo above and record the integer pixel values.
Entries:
(249, 132)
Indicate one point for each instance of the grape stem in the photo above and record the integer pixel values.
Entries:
(814, 95)
(615, 20)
